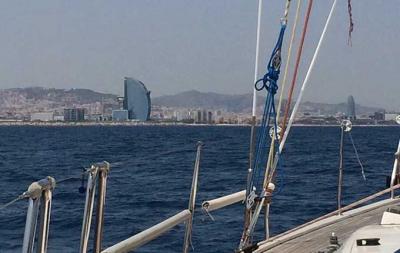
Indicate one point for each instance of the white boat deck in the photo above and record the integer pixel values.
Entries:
(314, 238)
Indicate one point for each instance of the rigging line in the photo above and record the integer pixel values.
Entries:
(269, 82)
(292, 36)
(358, 157)
(260, 3)
(285, 15)
(271, 159)
(268, 175)
(304, 85)
(305, 82)
(261, 143)
(278, 111)
(296, 68)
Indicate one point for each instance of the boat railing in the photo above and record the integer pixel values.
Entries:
(395, 172)
(185, 216)
(97, 174)
(224, 201)
(39, 208)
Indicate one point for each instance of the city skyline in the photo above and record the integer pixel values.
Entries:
(37, 104)
(260, 97)
(201, 45)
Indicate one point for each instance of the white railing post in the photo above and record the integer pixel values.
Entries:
(192, 200)
(97, 173)
(40, 195)
(45, 210)
(104, 168)
(395, 171)
(30, 225)
(87, 215)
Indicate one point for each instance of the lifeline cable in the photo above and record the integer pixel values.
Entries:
(11, 202)
(358, 157)
(22, 196)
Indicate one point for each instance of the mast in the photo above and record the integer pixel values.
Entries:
(254, 110)
(247, 213)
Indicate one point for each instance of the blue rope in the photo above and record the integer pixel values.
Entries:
(269, 83)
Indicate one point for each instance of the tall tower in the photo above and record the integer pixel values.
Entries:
(136, 99)
(351, 108)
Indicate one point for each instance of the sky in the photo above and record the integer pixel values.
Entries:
(207, 45)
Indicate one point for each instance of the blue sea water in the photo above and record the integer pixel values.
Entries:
(151, 175)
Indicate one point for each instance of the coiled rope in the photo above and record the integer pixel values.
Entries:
(269, 83)
(269, 174)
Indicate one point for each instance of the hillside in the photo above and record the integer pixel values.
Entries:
(243, 103)
(22, 101)
(208, 100)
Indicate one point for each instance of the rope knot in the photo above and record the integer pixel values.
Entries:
(268, 83)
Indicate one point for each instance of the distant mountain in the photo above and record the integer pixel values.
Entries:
(84, 96)
(243, 103)
(208, 100)
(23, 101)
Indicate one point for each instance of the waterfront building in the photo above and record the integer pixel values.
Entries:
(58, 117)
(120, 115)
(197, 118)
(351, 108)
(74, 114)
(391, 116)
(209, 117)
(136, 99)
(108, 108)
(379, 116)
(42, 116)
